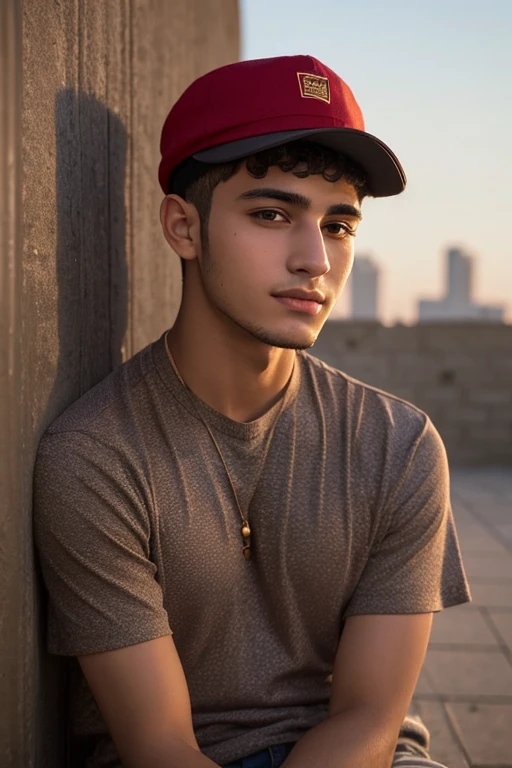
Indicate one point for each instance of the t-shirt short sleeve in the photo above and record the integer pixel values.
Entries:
(93, 537)
(415, 563)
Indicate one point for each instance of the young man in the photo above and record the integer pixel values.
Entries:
(242, 546)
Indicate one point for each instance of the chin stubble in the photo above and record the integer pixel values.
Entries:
(266, 336)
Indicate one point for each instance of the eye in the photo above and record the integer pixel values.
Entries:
(268, 214)
(340, 229)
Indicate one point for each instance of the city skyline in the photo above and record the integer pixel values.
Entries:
(453, 301)
(363, 286)
(443, 108)
(458, 303)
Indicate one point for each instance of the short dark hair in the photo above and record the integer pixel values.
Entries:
(309, 158)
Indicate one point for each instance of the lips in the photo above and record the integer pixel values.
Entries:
(308, 302)
(297, 293)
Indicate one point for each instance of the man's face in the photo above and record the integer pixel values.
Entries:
(280, 250)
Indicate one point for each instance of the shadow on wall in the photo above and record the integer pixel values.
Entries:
(91, 145)
(92, 307)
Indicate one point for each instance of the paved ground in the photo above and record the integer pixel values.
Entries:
(465, 691)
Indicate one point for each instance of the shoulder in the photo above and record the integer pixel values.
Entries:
(106, 430)
(109, 402)
(370, 408)
(385, 440)
(93, 456)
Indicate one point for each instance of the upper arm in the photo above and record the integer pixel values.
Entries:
(414, 564)
(378, 662)
(143, 696)
(93, 530)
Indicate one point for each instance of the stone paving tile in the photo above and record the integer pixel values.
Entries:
(443, 746)
(463, 516)
(474, 538)
(482, 504)
(493, 512)
(471, 496)
(504, 531)
(486, 565)
(491, 595)
(485, 731)
(497, 483)
(503, 622)
(461, 508)
(462, 625)
(457, 672)
(423, 685)
(485, 503)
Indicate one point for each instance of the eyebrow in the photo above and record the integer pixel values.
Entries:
(299, 201)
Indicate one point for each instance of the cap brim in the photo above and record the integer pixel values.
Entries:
(385, 175)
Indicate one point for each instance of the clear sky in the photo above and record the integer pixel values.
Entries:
(434, 80)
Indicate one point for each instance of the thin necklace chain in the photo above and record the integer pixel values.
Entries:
(245, 528)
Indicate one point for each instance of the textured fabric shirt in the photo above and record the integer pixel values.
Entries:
(139, 536)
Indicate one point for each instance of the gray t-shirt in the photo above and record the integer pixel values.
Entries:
(139, 535)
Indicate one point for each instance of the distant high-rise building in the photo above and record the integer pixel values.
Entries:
(459, 278)
(457, 304)
(364, 289)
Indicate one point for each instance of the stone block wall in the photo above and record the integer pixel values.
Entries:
(458, 373)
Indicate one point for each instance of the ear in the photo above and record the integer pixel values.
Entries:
(181, 226)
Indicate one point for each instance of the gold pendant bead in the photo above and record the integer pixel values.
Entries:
(246, 531)
(247, 552)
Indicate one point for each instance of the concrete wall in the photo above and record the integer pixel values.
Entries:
(459, 373)
(85, 276)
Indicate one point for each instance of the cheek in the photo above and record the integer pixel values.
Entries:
(341, 259)
(341, 267)
(246, 251)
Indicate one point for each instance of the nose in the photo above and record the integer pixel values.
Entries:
(309, 254)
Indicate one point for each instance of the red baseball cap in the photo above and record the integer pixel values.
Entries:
(237, 110)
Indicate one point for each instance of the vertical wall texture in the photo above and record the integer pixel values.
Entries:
(17, 635)
(86, 278)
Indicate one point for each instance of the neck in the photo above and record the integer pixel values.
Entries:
(225, 366)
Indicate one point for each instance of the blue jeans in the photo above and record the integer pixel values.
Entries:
(271, 757)
(274, 757)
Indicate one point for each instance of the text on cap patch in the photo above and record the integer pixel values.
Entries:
(314, 87)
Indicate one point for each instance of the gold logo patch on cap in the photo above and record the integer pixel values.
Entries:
(314, 87)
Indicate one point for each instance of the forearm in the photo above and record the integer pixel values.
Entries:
(352, 739)
(175, 755)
